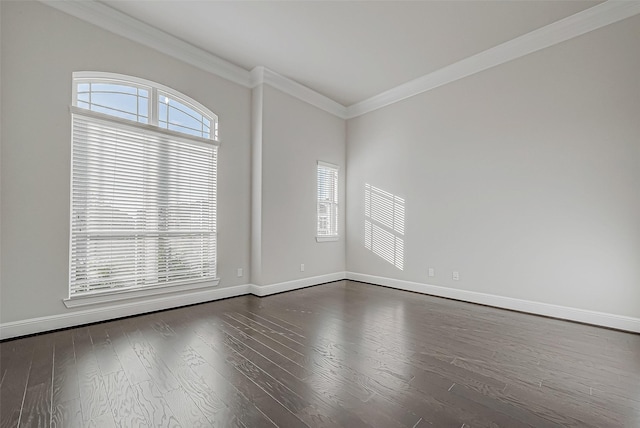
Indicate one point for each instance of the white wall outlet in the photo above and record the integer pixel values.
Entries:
(239, 272)
(302, 267)
(455, 275)
(432, 272)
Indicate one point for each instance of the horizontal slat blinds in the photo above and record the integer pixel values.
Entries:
(143, 207)
(327, 200)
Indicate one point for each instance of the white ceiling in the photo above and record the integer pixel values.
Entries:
(347, 50)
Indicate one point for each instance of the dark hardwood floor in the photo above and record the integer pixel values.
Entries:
(343, 354)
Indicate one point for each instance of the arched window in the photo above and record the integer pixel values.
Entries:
(144, 172)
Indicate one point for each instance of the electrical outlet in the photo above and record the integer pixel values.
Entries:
(239, 272)
(432, 272)
(456, 275)
(302, 267)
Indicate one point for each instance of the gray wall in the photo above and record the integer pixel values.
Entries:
(295, 135)
(525, 178)
(41, 47)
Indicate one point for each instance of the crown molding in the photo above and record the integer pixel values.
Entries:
(575, 25)
(262, 75)
(123, 25)
(103, 16)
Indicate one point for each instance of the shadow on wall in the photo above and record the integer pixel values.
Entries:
(384, 225)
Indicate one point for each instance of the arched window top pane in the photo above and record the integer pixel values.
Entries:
(122, 100)
(178, 115)
(143, 101)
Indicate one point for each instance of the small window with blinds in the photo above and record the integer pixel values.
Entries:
(327, 204)
(143, 211)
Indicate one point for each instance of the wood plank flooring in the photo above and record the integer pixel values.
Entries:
(343, 354)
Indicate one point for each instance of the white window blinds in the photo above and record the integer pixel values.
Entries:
(143, 206)
(327, 200)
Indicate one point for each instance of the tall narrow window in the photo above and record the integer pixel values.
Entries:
(143, 211)
(327, 202)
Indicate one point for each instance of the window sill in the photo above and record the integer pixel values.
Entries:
(327, 238)
(114, 296)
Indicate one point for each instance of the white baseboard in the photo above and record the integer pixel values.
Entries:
(104, 313)
(86, 316)
(602, 319)
(265, 290)
(118, 310)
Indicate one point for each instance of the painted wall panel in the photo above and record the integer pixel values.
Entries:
(524, 178)
(295, 136)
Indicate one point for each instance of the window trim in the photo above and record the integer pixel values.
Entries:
(336, 237)
(152, 127)
(138, 127)
(134, 293)
(327, 238)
